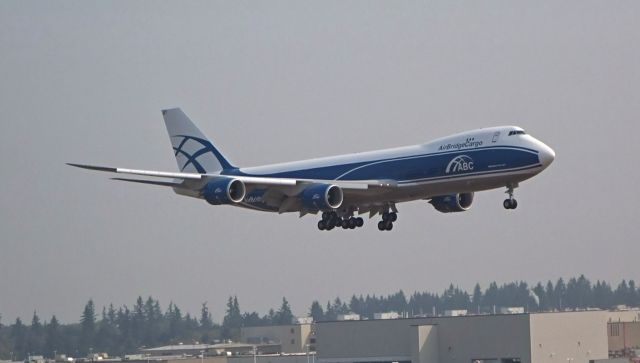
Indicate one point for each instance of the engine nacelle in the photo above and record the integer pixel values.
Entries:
(224, 191)
(459, 202)
(322, 197)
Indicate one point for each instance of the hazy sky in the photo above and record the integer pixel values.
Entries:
(277, 81)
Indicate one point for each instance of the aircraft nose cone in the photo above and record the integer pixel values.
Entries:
(546, 155)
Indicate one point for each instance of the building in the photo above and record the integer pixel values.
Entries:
(574, 337)
(387, 315)
(296, 338)
(206, 349)
(624, 339)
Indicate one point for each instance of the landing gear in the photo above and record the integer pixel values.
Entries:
(386, 224)
(510, 203)
(330, 220)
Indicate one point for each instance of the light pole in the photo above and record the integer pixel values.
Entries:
(307, 346)
(255, 351)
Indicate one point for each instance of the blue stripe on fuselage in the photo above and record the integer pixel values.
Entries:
(417, 167)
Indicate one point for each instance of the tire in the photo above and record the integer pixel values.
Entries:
(321, 225)
(385, 216)
(389, 226)
(382, 226)
(507, 204)
(514, 204)
(359, 222)
(393, 217)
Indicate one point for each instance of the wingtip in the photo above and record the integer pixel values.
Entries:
(93, 167)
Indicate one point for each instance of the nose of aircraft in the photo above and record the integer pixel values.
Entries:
(546, 155)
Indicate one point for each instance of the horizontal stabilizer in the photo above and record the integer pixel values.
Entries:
(152, 173)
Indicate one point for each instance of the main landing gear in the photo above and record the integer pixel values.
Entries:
(386, 224)
(510, 203)
(331, 220)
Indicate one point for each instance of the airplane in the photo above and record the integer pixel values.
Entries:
(446, 172)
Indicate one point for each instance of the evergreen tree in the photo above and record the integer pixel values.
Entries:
(153, 317)
(205, 317)
(174, 317)
(560, 294)
(621, 294)
(632, 295)
(543, 302)
(138, 320)
(284, 316)
(316, 311)
(491, 297)
(330, 314)
(232, 321)
(550, 295)
(35, 338)
(106, 333)
(476, 299)
(53, 341)
(602, 295)
(88, 327)
(125, 325)
(19, 337)
(252, 319)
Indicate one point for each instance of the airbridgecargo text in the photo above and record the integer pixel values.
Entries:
(470, 142)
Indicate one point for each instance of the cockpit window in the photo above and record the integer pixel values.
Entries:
(516, 132)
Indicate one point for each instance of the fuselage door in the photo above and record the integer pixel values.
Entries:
(496, 136)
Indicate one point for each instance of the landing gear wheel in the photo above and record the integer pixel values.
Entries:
(382, 225)
(389, 226)
(352, 223)
(510, 204)
(385, 216)
(322, 225)
(359, 222)
(393, 217)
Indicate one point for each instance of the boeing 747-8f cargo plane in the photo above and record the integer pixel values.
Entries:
(446, 172)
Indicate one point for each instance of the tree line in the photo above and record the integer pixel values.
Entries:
(124, 330)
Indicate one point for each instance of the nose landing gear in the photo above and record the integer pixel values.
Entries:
(510, 203)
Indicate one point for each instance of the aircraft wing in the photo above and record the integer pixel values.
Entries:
(251, 181)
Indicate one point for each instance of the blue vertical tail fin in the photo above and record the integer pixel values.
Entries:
(193, 151)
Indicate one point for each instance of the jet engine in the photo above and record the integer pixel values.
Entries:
(458, 202)
(224, 191)
(323, 197)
